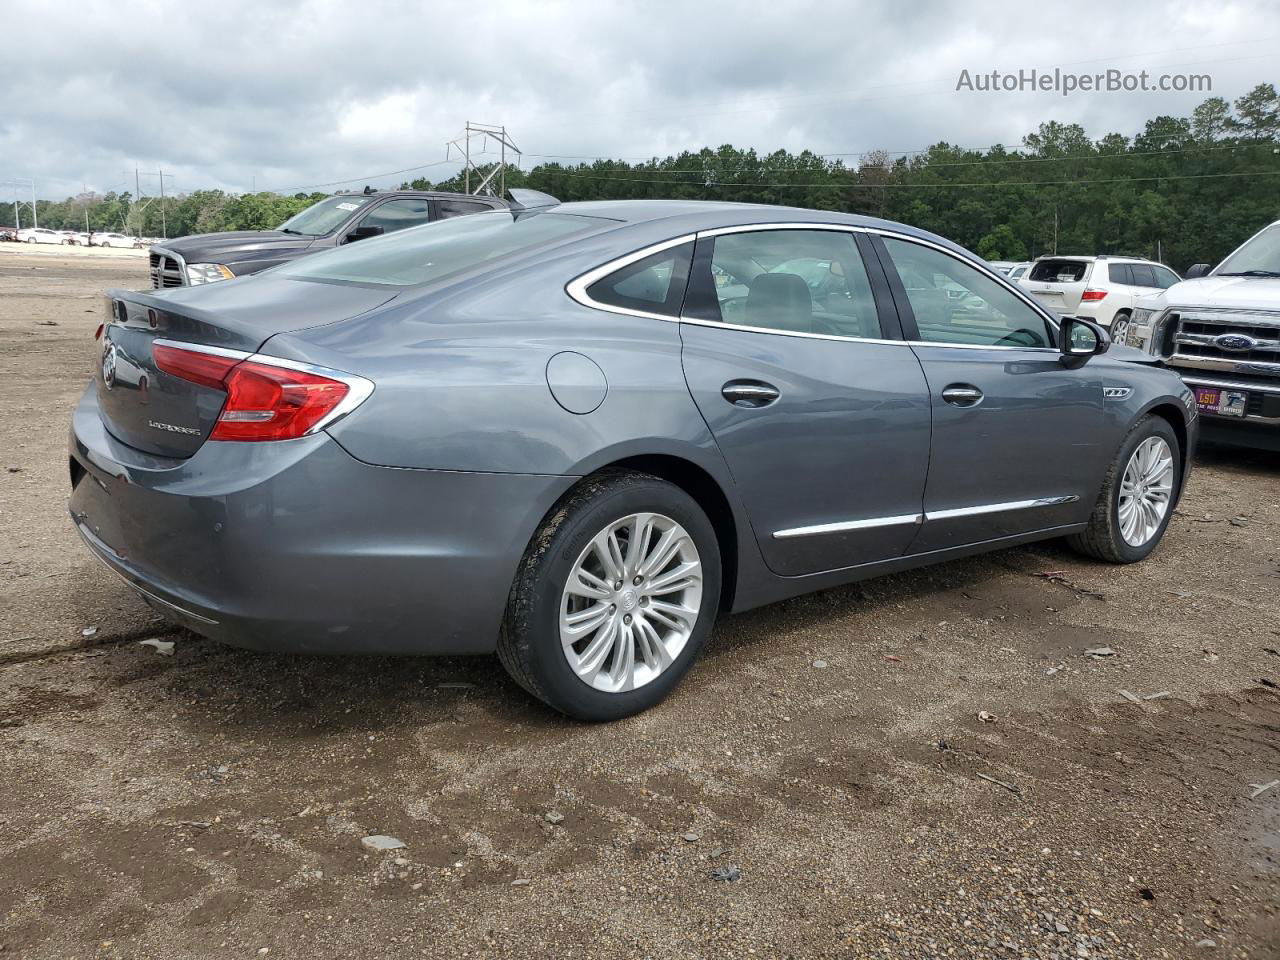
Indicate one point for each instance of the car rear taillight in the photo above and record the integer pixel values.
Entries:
(1092, 296)
(265, 400)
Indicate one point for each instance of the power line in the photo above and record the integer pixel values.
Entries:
(367, 176)
(934, 186)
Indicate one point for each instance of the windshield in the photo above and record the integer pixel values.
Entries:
(324, 217)
(434, 251)
(1259, 254)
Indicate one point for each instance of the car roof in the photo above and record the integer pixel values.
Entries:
(423, 193)
(675, 217)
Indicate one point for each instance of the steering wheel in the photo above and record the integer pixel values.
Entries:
(1032, 338)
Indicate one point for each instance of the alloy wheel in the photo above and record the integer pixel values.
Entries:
(631, 602)
(1146, 491)
(1119, 328)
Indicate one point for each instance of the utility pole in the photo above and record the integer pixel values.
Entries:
(164, 227)
(485, 132)
(18, 182)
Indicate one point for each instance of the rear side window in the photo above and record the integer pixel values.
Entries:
(1143, 276)
(436, 251)
(652, 285)
(1119, 273)
(1059, 271)
(459, 208)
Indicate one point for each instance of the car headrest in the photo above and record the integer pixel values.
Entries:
(781, 301)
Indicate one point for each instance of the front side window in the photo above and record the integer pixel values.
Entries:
(323, 218)
(397, 214)
(956, 303)
(1165, 278)
(652, 285)
(439, 250)
(800, 281)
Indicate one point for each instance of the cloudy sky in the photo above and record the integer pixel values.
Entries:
(276, 95)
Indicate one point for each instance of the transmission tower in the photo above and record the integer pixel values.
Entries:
(484, 133)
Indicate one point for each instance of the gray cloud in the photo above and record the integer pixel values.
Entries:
(274, 94)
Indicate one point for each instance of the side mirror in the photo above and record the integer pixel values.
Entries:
(1196, 270)
(1079, 339)
(363, 233)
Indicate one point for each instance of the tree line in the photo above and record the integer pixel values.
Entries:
(1184, 190)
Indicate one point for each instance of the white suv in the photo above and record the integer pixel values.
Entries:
(1102, 289)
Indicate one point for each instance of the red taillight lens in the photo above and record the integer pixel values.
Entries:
(1092, 296)
(264, 401)
(206, 369)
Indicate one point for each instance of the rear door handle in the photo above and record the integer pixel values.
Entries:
(962, 395)
(749, 393)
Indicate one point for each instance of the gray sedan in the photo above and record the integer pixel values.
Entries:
(576, 435)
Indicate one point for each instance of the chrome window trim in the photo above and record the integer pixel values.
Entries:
(577, 287)
(359, 389)
(868, 524)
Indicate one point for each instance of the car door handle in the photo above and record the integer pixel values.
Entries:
(749, 393)
(962, 395)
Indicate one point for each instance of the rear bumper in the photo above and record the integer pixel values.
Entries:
(297, 546)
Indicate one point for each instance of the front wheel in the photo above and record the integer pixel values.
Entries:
(1136, 503)
(614, 598)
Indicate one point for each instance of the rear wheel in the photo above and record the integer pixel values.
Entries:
(614, 598)
(1136, 503)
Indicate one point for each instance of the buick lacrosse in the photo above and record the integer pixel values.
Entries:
(576, 434)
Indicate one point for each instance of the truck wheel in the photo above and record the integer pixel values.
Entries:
(614, 598)
(1136, 503)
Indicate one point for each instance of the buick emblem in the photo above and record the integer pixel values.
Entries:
(1235, 342)
(109, 366)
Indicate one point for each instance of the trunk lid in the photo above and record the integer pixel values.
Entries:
(167, 416)
(1058, 282)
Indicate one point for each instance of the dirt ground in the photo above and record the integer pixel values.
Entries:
(828, 749)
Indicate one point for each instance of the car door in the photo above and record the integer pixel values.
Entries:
(820, 409)
(1017, 441)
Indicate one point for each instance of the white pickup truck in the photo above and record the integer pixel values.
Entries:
(1220, 330)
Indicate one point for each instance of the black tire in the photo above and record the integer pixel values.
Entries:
(529, 643)
(1102, 539)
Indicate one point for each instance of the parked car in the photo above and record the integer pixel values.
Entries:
(1103, 289)
(8, 234)
(74, 238)
(1018, 270)
(538, 433)
(39, 235)
(1220, 330)
(334, 221)
(98, 239)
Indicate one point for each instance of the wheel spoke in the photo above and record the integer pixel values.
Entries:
(623, 671)
(586, 584)
(677, 578)
(637, 540)
(582, 622)
(609, 554)
(666, 548)
(672, 615)
(655, 651)
(597, 651)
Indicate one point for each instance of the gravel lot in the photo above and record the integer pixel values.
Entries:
(829, 750)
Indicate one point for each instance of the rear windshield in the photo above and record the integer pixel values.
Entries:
(435, 251)
(1059, 271)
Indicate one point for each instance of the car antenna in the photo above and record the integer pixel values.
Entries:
(524, 200)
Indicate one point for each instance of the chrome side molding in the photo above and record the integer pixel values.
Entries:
(870, 523)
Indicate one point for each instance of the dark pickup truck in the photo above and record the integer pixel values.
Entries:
(342, 218)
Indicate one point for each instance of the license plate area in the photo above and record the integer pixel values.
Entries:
(1225, 403)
